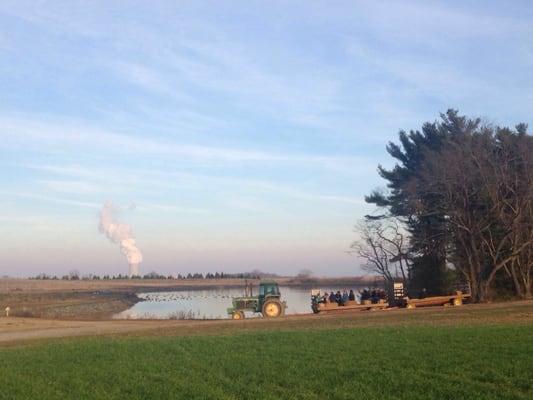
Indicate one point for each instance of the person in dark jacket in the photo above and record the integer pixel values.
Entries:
(351, 296)
(365, 295)
(344, 297)
(338, 297)
(374, 297)
(332, 298)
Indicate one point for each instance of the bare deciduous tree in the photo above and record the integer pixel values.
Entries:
(382, 245)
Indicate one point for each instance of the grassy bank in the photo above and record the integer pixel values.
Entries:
(418, 362)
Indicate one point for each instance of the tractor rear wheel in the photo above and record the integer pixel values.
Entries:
(237, 315)
(272, 309)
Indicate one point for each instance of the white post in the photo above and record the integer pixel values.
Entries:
(7, 311)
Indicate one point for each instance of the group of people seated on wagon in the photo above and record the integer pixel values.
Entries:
(374, 295)
(340, 299)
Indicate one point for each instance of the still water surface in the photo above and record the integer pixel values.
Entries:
(211, 303)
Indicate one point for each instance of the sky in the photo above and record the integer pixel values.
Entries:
(230, 135)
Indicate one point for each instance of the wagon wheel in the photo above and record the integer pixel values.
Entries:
(237, 315)
(272, 309)
(458, 301)
(410, 306)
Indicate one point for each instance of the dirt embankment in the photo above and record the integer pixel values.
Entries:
(67, 305)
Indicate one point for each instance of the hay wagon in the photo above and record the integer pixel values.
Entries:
(456, 299)
(320, 307)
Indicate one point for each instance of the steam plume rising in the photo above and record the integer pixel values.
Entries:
(120, 233)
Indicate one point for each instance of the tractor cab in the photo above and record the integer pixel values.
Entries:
(268, 288)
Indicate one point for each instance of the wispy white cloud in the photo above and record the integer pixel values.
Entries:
(201, 56)
(150, 207)
(49, 199)
(141, 76)
(35, 223)
(64, 170)
(24, 132)
(187, 181)
(75, 187)
(31, 133)
(26, 219)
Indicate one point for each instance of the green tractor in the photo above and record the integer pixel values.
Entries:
(268, 302)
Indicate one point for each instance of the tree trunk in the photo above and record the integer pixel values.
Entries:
(516, 281)
(474, 289)
(483, 294)
(528, 295)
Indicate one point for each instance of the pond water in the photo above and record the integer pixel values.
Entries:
(211, 303)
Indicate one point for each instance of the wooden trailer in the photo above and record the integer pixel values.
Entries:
(456, 299)
(367, 305)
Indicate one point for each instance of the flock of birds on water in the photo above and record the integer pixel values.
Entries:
(177, 296)
(158, 297)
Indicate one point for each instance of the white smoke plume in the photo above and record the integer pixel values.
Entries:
(120, 233)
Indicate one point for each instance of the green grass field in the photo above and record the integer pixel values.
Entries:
(446, 362)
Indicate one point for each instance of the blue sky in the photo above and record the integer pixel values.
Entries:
(232, 135)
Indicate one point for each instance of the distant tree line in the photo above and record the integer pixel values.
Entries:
(458, 208)
(75, 275)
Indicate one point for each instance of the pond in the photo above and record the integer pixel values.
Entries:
(211, 303)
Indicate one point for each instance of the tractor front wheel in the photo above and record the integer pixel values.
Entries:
(237, 315)
(272, 309)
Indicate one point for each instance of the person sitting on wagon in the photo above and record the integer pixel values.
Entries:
(351, 296)
(375, 296)
(344, 297)
(365, 295)
(338, 297)
(325, 298)
(332, 298)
